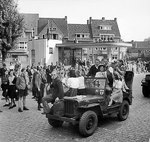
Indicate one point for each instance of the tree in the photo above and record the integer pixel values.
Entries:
(11, 26)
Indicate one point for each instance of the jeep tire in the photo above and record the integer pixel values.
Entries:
(145, 91)
(55, 123)
(124, 111)
(88, 123)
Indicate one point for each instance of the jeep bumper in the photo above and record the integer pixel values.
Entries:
(62, 118)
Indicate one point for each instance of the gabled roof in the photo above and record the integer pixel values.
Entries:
(30, 21)
(60, 22)
(142, 44)
(95, 23)
(77, 29)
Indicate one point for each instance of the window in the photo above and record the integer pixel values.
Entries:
(33, 55)
(50, 50)
(55, 36)
(82, 35)
(104, 48)
(52, 29)
(22, 45)
(78, 35)
(115, 56)
(105, 27)
(106, 37)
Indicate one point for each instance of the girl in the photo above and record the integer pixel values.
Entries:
(117, 95)
(11, 89)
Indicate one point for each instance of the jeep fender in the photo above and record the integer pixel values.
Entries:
(93, 107)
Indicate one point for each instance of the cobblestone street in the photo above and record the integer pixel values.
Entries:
(32, 126)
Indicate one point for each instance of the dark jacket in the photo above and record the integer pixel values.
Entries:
(93, 70)
(57, 89)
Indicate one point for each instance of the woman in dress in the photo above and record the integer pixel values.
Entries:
(11, 89)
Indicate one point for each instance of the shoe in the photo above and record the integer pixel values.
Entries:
(25, 108)
(20, 110)
(2, 98)
(39, 108)
(10, 107)
(14, 105)
(5, 105)
(43, 113)
(33, 97)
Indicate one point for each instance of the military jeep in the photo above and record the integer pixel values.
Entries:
(85, 110)
(145, 83)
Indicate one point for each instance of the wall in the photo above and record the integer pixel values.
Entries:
(52, 57)
(42, 48)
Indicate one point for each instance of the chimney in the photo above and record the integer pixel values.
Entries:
(103, 18)
(65, 18)
(115, 19)
(90, 20)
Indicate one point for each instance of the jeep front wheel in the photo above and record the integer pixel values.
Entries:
(88, 123)
(124, 111)
(145, 91)
(55, 123)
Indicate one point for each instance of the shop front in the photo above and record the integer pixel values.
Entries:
(70, 53)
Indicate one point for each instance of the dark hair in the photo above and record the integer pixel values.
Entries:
(121, 61)
(4, 64)
(72, 73)
(23, 69)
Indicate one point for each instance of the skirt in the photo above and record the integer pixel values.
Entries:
(12, 91)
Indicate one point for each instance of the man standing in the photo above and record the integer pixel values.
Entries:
(94, 69)
(40, 81)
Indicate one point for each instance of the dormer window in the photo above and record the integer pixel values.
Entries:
(105, 27)
(52, 29)
(106, 37)
(82, 35)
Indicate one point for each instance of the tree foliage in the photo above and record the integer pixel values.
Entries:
(11, 25)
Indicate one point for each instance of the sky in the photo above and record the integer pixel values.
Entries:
(133, 16)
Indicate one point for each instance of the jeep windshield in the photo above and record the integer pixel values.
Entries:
(95, 83)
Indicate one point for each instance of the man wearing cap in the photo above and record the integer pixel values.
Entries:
(94, 69)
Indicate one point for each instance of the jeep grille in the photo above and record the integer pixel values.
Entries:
(69, 107)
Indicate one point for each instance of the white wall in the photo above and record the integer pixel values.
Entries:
(52, 57)
(41, 47)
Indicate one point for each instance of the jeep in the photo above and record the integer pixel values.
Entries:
(85, 110)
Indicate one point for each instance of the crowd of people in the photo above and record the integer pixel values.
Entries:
(51, 83)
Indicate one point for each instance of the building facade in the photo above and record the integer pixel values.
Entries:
(98, 38)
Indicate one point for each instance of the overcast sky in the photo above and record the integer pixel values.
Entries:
(133, 16)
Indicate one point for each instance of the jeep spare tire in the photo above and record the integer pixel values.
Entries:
(88, 123)
(124, 111)
(145, 91)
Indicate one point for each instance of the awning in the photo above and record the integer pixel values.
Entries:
(87, 45)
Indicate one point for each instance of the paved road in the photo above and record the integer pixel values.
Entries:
(32, 126)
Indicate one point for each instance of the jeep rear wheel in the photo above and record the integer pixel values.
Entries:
(145, 91)
(55, 123)
(124, 111)
(88, 123)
